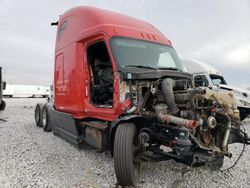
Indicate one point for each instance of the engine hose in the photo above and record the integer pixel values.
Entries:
(131, 110)
(166, 118)
(240, 155)
(167, 86)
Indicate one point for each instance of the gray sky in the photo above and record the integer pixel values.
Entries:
(216, 32)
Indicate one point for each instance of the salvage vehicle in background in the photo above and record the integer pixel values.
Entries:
(120, 86)
(207, 76)
(2, 87)
(27, 91)
(8, 91)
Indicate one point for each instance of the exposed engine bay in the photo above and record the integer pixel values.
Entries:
(176, 121)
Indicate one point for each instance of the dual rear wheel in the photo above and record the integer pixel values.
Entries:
(127, 164)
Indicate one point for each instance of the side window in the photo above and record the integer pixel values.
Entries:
(200, 81)
(62, 29)
(217, 81)
(59, 70)
(101, 74)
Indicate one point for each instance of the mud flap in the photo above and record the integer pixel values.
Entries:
(238, 136)
(64, 126)
(216, 163)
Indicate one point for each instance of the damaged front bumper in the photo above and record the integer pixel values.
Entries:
(185, 150)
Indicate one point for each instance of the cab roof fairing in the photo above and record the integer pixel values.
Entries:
(85, 21)
(196, 67)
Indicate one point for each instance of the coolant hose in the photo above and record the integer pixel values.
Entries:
(131, 110)
(167, 86)
(166, 118)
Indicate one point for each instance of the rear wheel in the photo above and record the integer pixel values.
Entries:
(46, 118)
(38, 114)
(127, 166)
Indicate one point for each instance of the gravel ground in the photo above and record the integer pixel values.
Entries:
(29, 157)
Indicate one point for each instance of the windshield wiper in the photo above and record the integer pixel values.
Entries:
(141, 66)
(169, 68)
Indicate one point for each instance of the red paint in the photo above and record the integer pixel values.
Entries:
(82, 27)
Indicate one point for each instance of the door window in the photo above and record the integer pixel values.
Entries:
(101, 74)
(200, 81)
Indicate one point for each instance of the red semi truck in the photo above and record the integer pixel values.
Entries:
(120, 86)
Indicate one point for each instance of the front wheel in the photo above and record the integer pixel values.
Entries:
(127, 166)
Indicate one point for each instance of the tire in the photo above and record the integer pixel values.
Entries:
(126, 168)
(38, 114)
(45, 118)
(2, 105)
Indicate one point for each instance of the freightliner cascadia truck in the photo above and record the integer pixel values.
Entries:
(120, 86)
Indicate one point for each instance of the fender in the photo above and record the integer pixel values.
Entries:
(113, 127)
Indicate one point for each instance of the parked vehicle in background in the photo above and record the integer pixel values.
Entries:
(2, 87)
(16, 90)
(8, 91)
(207, 76)
(119, 85)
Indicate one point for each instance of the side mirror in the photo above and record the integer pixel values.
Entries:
(51, 88)
(54, 23)
(4, 85)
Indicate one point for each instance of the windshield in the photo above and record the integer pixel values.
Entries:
(217, 79)
(143, 54)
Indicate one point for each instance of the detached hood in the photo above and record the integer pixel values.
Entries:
(236, 89)
(242, 95)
